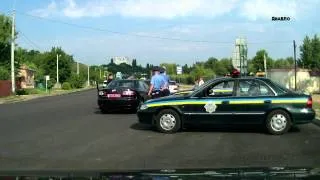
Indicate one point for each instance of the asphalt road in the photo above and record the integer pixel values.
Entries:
(68, 132)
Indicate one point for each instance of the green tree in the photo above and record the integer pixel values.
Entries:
(227, 64)
(315, 63)
(4, 73)
(251, 68)
(170, 68)
(258, 61)
(284, 63)
(200, 71)
(5, 41)
(186, 69)
(221, 67)
(306, 53)
(134, 63)
(76, 81)
(50, 63)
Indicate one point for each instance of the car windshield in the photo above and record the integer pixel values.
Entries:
(122, 83)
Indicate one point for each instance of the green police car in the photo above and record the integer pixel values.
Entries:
(230, 101)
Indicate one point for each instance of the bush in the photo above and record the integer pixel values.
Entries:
(50, 84)
(76, 81)
(4, 73)
(66, 86)
(21, 92)
(33, 91)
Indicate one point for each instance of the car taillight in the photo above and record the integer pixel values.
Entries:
(128, 93)
(309, 102)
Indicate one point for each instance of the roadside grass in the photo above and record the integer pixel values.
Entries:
(185, 87)
(36, 92)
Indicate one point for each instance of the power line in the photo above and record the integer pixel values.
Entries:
(143, 36)
(121, 33)
(30, 42)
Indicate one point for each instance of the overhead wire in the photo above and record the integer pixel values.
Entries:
(143, 36)
(29, 41)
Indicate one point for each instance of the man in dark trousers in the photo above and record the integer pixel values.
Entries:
(156, 83)
(165, 89)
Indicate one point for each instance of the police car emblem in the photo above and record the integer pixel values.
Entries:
(210, 107)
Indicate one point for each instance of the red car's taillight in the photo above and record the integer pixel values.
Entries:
(309, 102)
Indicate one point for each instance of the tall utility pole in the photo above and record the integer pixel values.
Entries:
(240, 56)
(295, 65)
(265, 64)
(88, 75)
(77, 68)
(58, 68)
(13, 83)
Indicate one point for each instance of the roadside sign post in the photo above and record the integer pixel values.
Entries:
(47, 79)
(179, 72)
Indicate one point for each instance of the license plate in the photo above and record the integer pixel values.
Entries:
(114, 95)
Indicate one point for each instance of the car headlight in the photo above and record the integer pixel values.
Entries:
(101, 93)
(143, 107)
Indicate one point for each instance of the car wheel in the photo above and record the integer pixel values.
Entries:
(278, 122)
(168, 121)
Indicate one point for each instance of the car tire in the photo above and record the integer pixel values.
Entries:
(278, 122)
(168, 121)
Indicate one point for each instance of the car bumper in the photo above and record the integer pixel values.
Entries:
(145, 117)
(118, 104)
(304, 116)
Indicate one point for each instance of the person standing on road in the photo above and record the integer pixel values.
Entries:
(157, 81)
(196, 84)
(110, 78)
(165, 88)
(201, 81)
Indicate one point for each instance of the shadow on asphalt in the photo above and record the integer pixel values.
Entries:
(226, 129)
(141, 127)
(97, 111)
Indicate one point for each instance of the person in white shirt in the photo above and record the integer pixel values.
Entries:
(201, 81)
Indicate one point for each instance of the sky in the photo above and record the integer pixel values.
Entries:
(157, 31)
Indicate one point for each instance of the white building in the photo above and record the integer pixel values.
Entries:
(121, 59)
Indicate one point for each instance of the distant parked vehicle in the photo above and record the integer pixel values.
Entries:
(173, 87)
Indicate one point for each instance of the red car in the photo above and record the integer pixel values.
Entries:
(122, 95)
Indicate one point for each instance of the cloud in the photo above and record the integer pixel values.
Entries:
(265, 9)
(169, 9)
(165, 9)
(47, 11)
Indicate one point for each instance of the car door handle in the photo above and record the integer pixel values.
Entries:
(267, 101)
(225, 102)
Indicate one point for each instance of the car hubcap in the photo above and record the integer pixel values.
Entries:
(278, 122)
(167, 122)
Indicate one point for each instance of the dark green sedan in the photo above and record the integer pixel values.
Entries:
(230, 101)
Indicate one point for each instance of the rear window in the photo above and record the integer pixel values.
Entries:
(128, 84)
(172, 83)
(279, 88)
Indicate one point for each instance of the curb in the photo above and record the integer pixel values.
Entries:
(316, 121)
